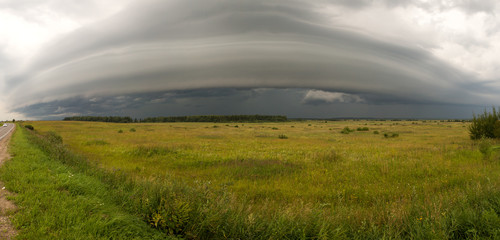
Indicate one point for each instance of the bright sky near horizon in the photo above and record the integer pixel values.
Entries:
(325, 58)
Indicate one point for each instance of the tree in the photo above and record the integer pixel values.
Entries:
(485, 125)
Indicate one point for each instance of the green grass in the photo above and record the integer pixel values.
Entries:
(200, 181)
(57, 202)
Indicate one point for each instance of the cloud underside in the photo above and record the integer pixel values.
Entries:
(294, 103)
(169, 46)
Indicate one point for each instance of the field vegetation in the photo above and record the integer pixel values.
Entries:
(311, 179)
(485, 125)
(59, 201)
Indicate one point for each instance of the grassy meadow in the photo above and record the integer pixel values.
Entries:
(385, 179)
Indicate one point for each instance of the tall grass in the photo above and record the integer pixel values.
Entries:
(58, 201)
(176, 209)
(312, 186)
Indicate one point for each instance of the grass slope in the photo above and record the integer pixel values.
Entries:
(57, 202)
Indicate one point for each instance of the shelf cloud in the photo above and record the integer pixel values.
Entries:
(154, 50)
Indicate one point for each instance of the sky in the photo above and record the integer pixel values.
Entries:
(304, 59)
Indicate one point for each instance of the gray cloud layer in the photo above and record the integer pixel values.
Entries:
(468, 6)
(157, 45)
(290, 102)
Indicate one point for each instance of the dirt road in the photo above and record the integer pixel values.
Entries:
(6, 207)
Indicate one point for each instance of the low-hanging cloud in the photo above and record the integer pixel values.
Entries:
(315, 97)
(157, 45)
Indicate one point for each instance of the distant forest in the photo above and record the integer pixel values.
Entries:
(207, 118)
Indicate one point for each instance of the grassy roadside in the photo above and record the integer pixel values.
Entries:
(57, 202)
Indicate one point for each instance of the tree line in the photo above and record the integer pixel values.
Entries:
(115, 119)
(201, 118)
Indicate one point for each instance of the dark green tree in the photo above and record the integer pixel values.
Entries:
(485, 125)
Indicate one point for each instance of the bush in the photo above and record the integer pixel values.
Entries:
(485, 125)
(363, 129)
(29, 127)
(391, 135)
(375, 132)
(346, 130)
(282, 136)
(132, 129)
(120, 131)
(496, 132)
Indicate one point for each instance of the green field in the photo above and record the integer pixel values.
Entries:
(398, 179)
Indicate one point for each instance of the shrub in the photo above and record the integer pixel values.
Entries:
(282, 136)
(132, 129)
(363, 129)
(346, 130)
(274, 128)
(120, 131)
(496, 131)
(391, 135)
(485, 125)
(375, 132)
(30, 127)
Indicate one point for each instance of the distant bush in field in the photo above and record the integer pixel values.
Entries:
(485, 125)
(391, 135)
(274, 128)
(282, 136)
(362, 129)
(346, 130)
(375, 132)
(132, 129)
(30, 127)
(120, 131)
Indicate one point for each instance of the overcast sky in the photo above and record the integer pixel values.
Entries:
(318, 59)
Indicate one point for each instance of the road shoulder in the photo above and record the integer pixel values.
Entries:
(7, 231)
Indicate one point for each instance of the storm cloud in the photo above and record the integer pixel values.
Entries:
(154, 50)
